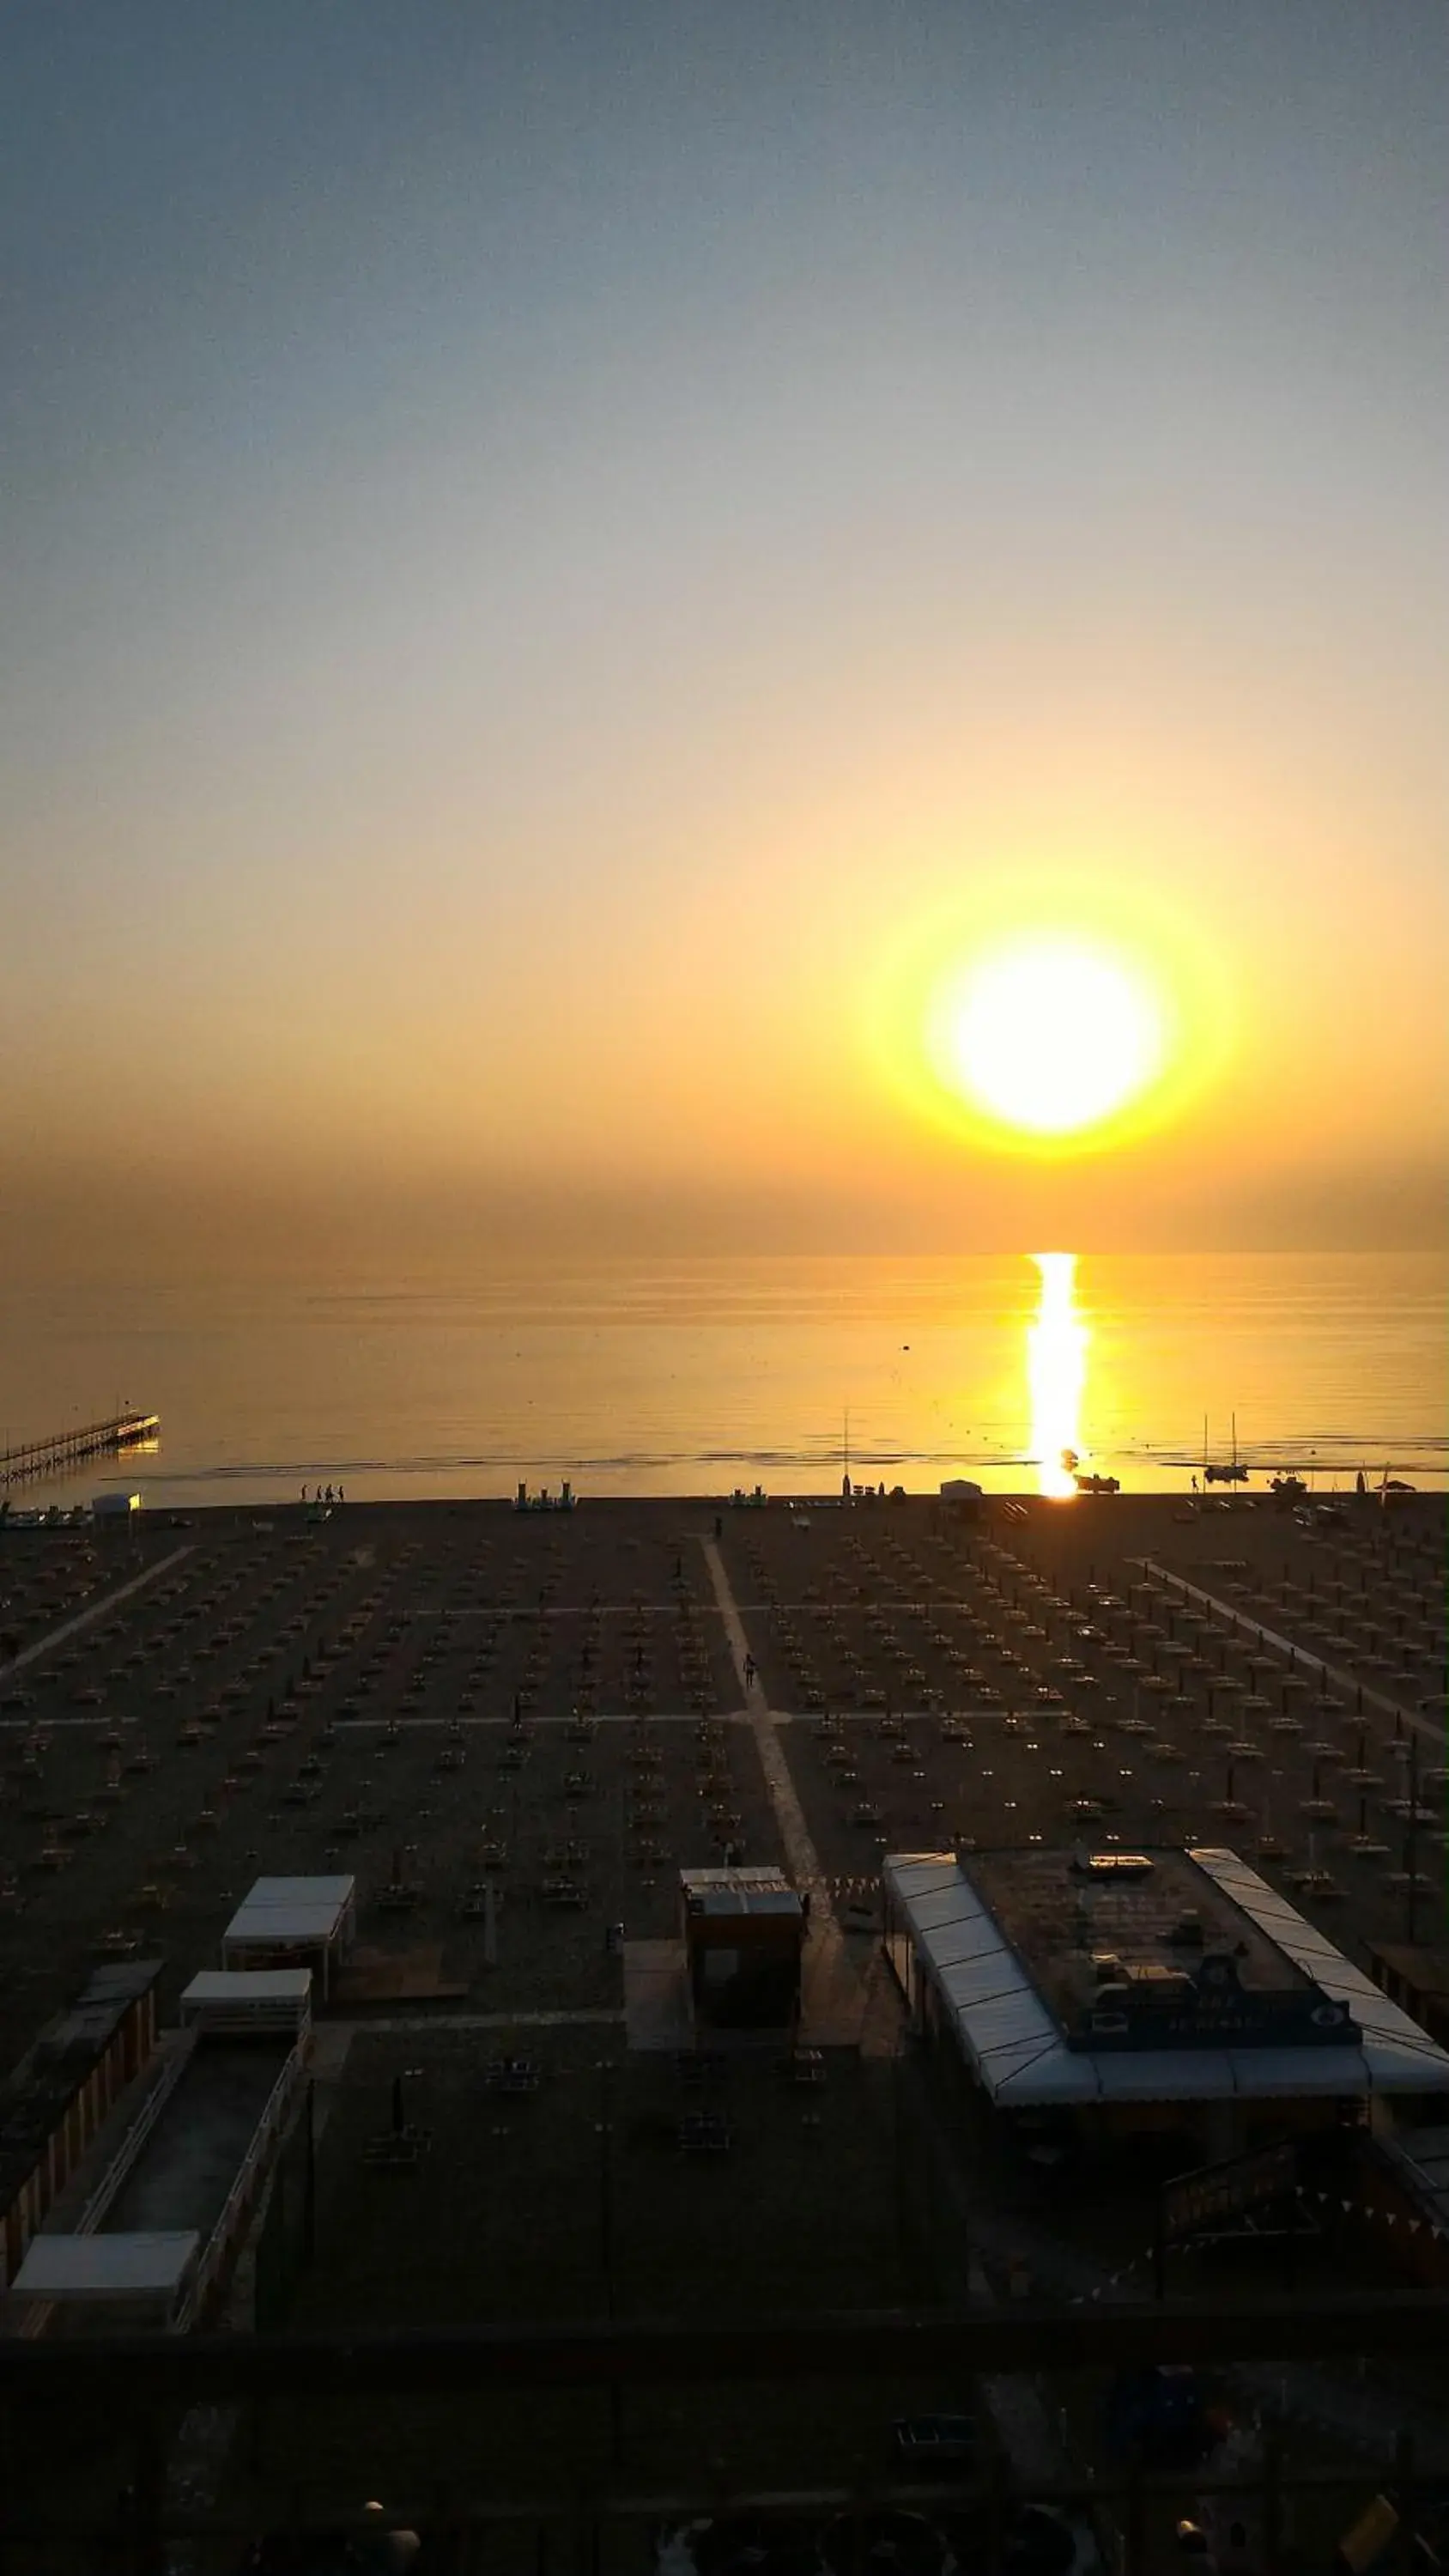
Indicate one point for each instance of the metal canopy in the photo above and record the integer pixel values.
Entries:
(291, 1909)
(1402, 2057)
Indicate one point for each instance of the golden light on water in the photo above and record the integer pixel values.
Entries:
(1051, 1035)
(1056, 1348)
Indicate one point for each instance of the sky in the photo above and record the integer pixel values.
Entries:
(553, 554)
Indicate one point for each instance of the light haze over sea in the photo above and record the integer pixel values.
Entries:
(694, 1376)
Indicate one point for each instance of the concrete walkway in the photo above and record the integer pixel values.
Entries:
(605, 1717)
(98, 1610)
(800, 1851)
(1299, 1657)
(832, 1997)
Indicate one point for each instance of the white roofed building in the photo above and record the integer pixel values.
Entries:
(1126, 1986)
(293, 1923)
(237, 2000)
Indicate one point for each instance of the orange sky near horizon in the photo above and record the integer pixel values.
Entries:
(546, 559)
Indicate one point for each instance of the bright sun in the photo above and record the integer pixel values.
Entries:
(1050, 1035)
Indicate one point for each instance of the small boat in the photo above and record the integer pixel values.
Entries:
(1234, 1473)
(1098, 1484)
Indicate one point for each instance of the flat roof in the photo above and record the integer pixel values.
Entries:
(149, 2264)
(766, 1877)
(291, 1909)
(739, 1891)
(248, 1985)
(1018, 2051)
(1061, 1920)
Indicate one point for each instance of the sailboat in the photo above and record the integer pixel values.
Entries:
(1218, 1474)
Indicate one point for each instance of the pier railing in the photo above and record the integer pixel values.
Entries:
(251, 2174)
(67, 1448)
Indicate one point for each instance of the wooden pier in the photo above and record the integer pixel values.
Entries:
(66, 1448)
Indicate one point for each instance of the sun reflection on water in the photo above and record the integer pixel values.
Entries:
(1056, 1362)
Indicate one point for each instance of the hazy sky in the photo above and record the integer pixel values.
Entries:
(541, 541)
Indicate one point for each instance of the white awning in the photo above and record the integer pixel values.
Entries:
(149, 2264)
(1014, 2044)
(1401, 2057)
(280, 1910)
(248, 1986)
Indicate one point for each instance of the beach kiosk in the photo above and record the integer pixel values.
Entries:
(232, 2003)
(294, 1923)
(744, 1930)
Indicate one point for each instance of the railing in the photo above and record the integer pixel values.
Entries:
(238, 2199)
(274, 2018)
(604, 2527)
(135, 2139)
(87, 1440)
(38, 2313)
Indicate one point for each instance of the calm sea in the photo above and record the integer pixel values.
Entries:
(696, 1376)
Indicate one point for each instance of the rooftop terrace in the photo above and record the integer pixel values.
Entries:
(1161, 1931)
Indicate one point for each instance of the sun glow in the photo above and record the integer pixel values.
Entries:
(1045, 1020)
(1050, 1035)
(1056, 1368)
